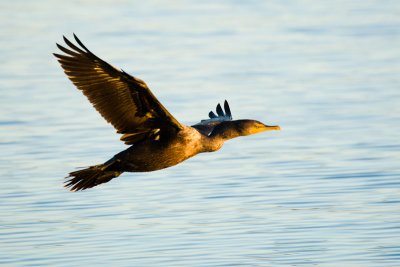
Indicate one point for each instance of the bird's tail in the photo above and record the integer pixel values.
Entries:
(90, 177)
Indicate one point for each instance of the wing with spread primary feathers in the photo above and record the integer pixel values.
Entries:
(206, 126)
(123, 100)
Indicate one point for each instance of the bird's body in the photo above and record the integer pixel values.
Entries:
(152, 156)
(157, 140)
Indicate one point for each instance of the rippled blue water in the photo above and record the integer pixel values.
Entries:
(325, 191)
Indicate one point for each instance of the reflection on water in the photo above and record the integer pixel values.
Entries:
(324, 191)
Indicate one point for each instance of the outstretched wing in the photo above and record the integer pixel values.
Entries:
(206, 126)
(123, 100)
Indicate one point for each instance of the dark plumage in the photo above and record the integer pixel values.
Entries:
(157, 140)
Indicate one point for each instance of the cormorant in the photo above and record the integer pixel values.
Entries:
(157, 140)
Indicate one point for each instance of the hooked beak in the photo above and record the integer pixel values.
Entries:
(272, 128)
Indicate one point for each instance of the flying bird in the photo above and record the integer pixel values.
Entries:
(156, 139)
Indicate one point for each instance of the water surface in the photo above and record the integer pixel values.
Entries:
(325, 191)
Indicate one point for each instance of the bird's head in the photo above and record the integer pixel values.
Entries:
(230, 129)
(248, 127)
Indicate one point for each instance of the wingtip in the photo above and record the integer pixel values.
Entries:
(227, 109)
(76, 37)
(58, 56)
(65, 39)
(212, 115)
(220, 112)
(81, 44)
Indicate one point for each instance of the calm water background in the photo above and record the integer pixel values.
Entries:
(325, 191)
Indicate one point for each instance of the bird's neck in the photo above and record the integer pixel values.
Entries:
(224, 131)
(212, 143)
(218, 136)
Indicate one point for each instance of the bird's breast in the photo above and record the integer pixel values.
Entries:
(156, 155)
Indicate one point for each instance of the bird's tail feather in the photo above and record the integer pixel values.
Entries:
(90, 177)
